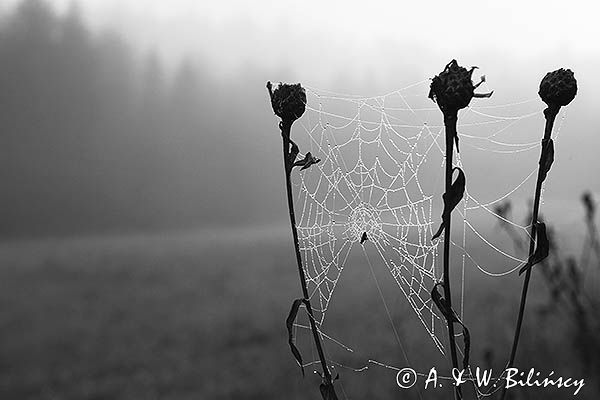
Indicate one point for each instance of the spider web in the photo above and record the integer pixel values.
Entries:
(366, 189)
(378, 188)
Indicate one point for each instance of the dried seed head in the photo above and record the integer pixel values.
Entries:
(453, 88)
(589, 205)
(288, 101)
(558, 88)
(503, 210)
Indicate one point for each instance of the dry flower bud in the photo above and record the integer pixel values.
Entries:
(288, 101)
(558, 88)
(453, 88)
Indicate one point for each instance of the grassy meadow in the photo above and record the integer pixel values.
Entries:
(202, 316)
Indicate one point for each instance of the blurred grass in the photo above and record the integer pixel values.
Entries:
(201, 316)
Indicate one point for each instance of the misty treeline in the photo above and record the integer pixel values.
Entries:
(96, 137)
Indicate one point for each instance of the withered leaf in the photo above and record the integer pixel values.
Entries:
(467, 345)
(439, 231)
(451, 315)
(307, 161)
(542, 247)
(327, 391)
(293, 152)
(546, 159)
(290, 325)
(457, 191)
(456, 142)
(440, 302)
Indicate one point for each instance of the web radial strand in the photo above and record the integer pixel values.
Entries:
(378, 187)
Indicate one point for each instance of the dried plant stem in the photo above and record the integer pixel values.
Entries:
(288, 165)
(550, 114)
(450, 120)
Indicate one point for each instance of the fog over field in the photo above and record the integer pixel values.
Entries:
(145, 244)
(152, 115)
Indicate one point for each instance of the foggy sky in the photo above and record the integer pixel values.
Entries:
(316, 38)
(206, 166)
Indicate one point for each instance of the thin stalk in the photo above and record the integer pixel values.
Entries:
(550, 114)
(288, 166)
(450, 124)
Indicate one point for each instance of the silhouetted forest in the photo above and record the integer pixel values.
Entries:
(96, 138)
